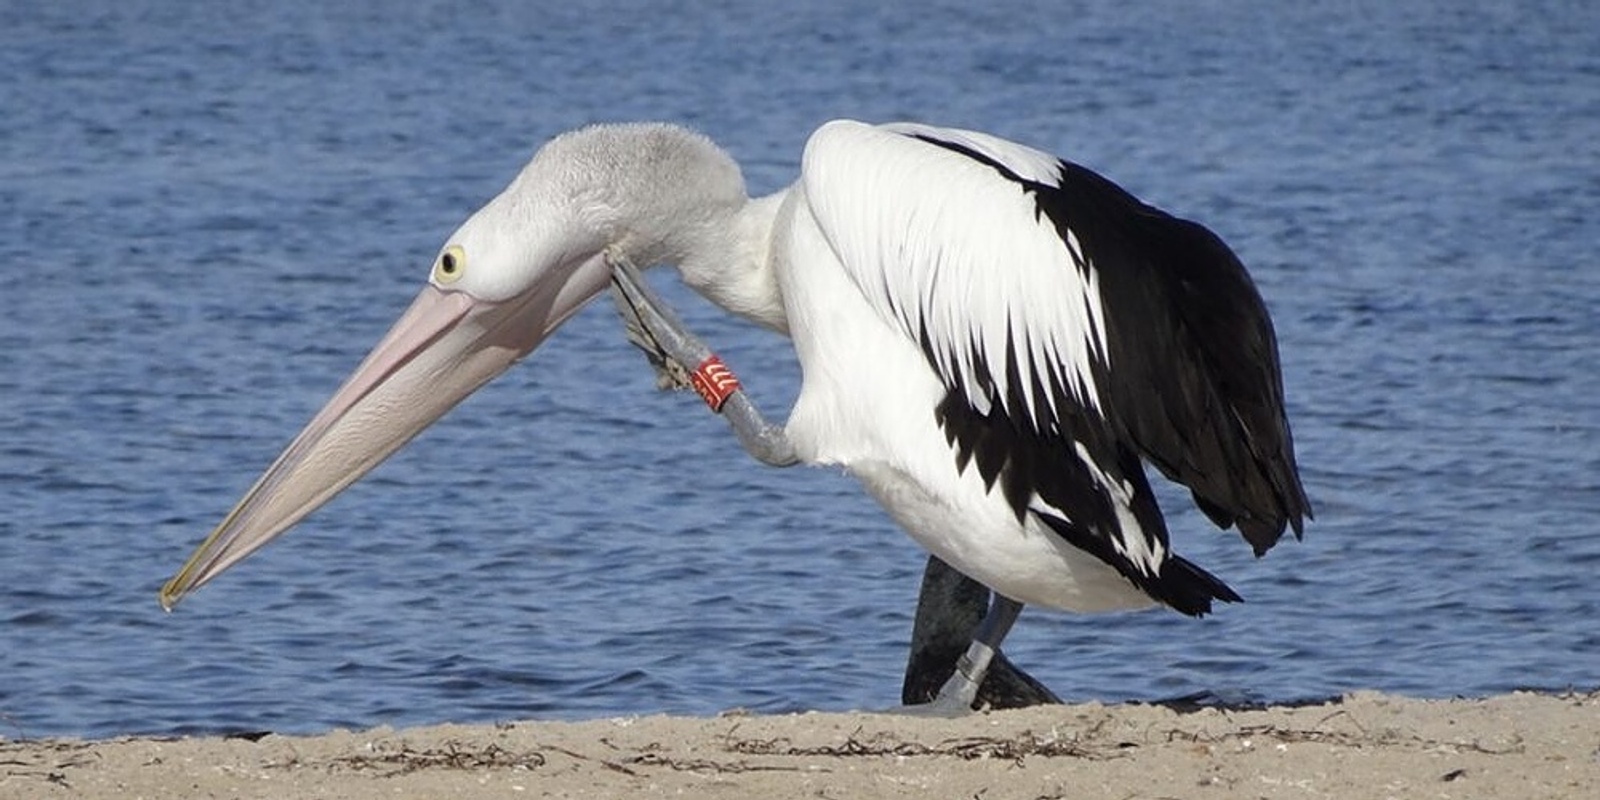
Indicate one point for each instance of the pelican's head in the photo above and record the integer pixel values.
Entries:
(501, 284)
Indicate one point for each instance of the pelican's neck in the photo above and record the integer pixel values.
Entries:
(662, 194)
(733, 266)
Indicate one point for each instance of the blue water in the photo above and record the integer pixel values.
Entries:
(208, 212)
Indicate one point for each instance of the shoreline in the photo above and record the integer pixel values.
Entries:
(1363, 745)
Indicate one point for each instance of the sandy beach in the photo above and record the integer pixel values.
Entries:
(1359, 746)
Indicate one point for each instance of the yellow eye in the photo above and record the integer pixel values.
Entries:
(451, 264)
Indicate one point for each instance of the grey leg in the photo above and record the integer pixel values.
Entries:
(671, 348)
(664, 333)
(956, 696)
(950, 608)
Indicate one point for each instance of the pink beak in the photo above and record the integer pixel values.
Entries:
(445, 346)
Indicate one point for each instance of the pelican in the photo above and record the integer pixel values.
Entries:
(992, 340)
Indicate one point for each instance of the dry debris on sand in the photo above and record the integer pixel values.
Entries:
(1361, 746)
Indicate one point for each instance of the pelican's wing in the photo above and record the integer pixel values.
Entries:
(1076, 330)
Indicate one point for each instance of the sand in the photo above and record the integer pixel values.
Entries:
(1367, 746)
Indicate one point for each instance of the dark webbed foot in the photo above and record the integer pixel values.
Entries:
(949, 611)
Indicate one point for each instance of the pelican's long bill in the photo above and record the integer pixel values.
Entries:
(445, 346)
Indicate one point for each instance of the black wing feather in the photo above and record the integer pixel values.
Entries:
(1194, 379)
(1190, 382)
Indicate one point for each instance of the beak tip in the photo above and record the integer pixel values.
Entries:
(170, 595)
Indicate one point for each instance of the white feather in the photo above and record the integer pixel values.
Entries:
(1008, 276)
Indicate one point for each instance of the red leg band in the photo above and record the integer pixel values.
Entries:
(714, 381)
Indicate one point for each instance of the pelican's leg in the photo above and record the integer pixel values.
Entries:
(950, 608)
(956, 696)
(672, 349)
(765, 441)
